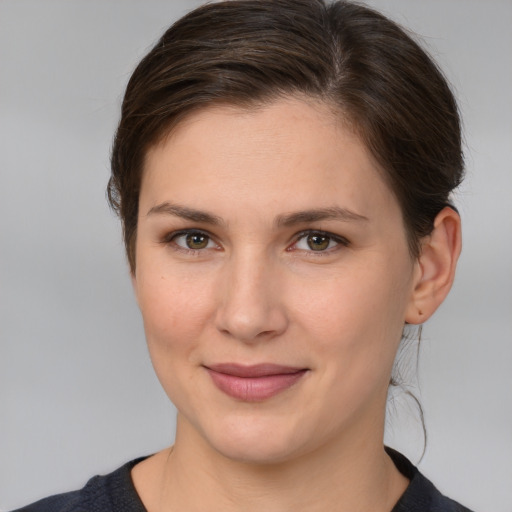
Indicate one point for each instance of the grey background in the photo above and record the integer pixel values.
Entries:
(77, 392)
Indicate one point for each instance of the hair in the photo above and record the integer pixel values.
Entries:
(249, 53)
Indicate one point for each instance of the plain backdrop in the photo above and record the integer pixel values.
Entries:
(77, 392)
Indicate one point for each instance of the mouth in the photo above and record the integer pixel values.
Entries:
(254, 383)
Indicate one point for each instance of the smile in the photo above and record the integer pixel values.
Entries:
(254, 383)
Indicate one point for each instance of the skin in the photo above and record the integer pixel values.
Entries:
(258, 293)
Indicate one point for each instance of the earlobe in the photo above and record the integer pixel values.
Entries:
(435, 267)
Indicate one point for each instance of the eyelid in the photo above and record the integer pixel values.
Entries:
(340, 240)
(170, 237)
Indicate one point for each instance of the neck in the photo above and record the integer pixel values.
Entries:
(356, 476)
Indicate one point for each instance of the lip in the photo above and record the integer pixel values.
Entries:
(254, 383)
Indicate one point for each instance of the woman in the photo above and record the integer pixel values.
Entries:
(282, 171)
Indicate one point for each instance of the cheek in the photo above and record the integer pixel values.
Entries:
(354, 329)
(174, 314)
(174, 310)
(357, 316)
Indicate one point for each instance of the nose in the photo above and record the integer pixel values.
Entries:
(251, 307)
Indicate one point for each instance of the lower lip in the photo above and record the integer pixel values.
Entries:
(254, 389)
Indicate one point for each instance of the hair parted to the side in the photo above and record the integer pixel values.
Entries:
(250, 52)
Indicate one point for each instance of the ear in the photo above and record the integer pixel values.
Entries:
(435, 267)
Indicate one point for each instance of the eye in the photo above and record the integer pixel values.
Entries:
(193, 240)
(318, 241)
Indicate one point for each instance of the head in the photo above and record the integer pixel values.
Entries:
(364, 67)
(238, 101)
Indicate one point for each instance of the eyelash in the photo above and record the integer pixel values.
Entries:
(339, 240)
(170, 239)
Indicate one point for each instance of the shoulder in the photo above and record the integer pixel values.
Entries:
(421, 495)
(67, 502)
(113, 492)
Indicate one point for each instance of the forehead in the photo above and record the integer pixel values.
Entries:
(291, 147)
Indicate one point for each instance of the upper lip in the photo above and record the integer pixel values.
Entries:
(256, 370)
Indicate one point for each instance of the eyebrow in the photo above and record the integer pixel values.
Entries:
(318, 214)
(186, 213)
(285, 220)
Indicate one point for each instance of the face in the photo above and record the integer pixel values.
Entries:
(273, 276)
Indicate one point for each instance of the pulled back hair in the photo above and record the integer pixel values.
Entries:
(249, 53)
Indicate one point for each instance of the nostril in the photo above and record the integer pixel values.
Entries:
(265, 334)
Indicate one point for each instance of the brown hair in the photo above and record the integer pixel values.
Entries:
(250, 52)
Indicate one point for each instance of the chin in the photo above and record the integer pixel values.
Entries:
(259, 452)
(256, 441)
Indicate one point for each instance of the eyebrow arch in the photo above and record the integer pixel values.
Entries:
(186, 213)
(317, 214)
(285, 220)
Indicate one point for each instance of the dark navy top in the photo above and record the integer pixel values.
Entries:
(115, 492)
